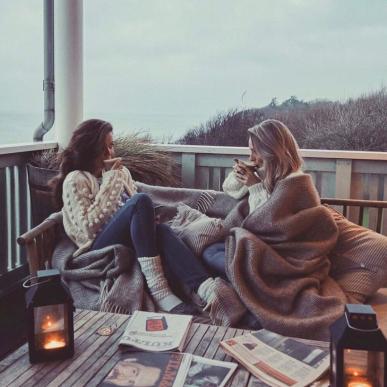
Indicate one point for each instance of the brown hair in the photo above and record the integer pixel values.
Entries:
(86, 146)
(279, 151)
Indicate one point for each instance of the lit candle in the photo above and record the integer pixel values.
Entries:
(359, 383)
(54, 341)
(54, 344)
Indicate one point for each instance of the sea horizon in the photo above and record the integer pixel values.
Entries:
(161, 127)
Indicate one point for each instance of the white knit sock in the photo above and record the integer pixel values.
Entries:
(152, 269)
(206, 291)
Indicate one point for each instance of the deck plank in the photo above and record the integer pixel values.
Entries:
(88, 366)
(220, 354)
(196, 338)
(205, 340)
(217, 338)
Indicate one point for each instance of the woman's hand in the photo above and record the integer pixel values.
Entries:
(113, 163)
(245, 175)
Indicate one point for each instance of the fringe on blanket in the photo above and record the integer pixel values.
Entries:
(111, 308)
(105, 287)
(205, 201)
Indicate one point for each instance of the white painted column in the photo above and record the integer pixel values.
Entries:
(68, 68)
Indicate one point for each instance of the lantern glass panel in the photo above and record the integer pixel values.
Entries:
(51, 327)
(363, 368)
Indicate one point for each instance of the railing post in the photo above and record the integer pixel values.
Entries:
(188, 170)
(3, 223)
(343, 178)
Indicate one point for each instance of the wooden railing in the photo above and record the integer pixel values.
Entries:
(14, 206)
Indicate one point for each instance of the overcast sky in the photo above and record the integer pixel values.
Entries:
(192, 59)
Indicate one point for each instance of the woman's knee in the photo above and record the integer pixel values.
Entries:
(143, 199)
(163, 229)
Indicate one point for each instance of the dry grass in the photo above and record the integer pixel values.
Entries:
(145, 163)
(356, 124)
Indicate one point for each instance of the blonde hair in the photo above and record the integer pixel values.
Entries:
(278, 149)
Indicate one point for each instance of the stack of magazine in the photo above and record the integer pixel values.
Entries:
(148, 357)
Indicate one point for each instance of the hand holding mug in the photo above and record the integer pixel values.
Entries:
(246, 173)
(115, 163)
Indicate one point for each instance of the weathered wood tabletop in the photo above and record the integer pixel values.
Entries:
(95, 355)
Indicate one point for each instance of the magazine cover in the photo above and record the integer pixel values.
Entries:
(151, 331)
(279, 360)
(208, 373)
(149, 369)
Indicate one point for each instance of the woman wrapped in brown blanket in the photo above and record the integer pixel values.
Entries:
(274, 246)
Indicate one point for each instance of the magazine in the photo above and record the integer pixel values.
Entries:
(149, 369)
(150, 331)
(208, 372)
(279, 360)
(168, 369)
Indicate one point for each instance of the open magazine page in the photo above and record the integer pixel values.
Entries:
(278, 360)
(152, 331)
(151, 369)
(208, 373)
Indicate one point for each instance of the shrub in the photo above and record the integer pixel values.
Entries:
(356, 124)
(145, 163)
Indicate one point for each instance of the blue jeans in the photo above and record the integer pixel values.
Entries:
(134, 225)
(214, 259)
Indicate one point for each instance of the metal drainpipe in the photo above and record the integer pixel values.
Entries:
(49, 80)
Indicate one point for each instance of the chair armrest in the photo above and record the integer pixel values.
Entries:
(40, 243)
(41, 228)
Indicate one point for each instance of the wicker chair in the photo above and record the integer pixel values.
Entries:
(40, 241)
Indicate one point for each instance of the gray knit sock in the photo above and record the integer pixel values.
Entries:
(157, 283)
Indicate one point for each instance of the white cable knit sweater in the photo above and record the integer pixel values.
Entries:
(87, 206)
(257, 192)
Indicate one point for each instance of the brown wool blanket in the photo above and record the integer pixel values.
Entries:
(277, 260)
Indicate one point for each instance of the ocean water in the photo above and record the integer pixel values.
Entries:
(19, 127)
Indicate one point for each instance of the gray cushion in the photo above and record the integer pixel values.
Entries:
(359, 260)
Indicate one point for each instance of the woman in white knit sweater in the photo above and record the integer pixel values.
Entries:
(101, 207)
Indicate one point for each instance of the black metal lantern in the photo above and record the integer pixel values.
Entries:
(49, 318)
(358, 349)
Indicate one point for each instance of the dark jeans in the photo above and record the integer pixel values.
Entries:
(134, 225)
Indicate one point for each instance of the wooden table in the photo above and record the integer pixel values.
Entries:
(95, 355)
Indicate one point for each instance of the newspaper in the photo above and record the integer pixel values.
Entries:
(278, 360)
(168, 369)
(150, 331)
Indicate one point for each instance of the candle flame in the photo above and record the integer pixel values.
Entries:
(53, 341)
(54, 344)
(359, 384)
